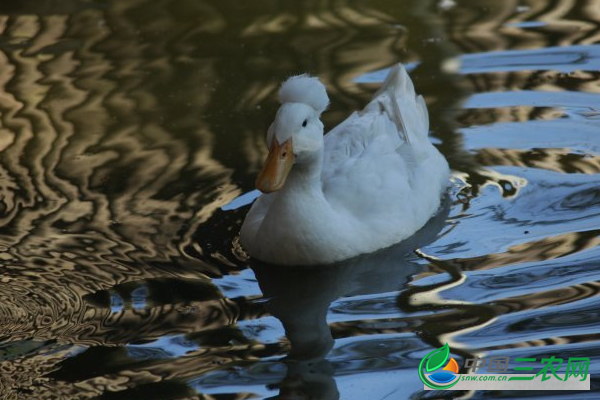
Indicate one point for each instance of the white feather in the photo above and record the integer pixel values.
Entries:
(304, 89)
(379, 179)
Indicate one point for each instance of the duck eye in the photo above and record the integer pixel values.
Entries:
(304, 123)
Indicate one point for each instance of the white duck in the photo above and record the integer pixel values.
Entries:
(371, 182)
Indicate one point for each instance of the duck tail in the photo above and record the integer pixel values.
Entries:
(405, 107)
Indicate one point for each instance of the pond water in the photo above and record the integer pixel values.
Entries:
(129, 129)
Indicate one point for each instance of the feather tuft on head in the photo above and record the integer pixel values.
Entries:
(304, 89)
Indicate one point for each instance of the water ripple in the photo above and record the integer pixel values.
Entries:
(130, 136)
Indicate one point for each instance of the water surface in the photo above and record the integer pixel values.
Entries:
(128, 128)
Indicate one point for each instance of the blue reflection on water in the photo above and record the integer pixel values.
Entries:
(163, 347)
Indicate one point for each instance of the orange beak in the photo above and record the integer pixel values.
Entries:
(277, 167)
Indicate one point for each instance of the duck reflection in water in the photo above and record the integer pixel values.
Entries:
(300, 298)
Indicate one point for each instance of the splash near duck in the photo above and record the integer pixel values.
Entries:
(371, 182)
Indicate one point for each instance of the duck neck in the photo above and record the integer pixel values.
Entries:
(306, 176)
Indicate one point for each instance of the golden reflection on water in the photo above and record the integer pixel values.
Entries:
(125, 126)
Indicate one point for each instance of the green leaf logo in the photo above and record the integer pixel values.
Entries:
(437, 358)
(433, 361)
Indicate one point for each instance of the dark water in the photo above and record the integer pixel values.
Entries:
(128, 127)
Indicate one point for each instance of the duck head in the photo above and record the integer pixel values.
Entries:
(296, 135)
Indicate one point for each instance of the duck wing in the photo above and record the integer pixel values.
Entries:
(407, 109)
(371, 157)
